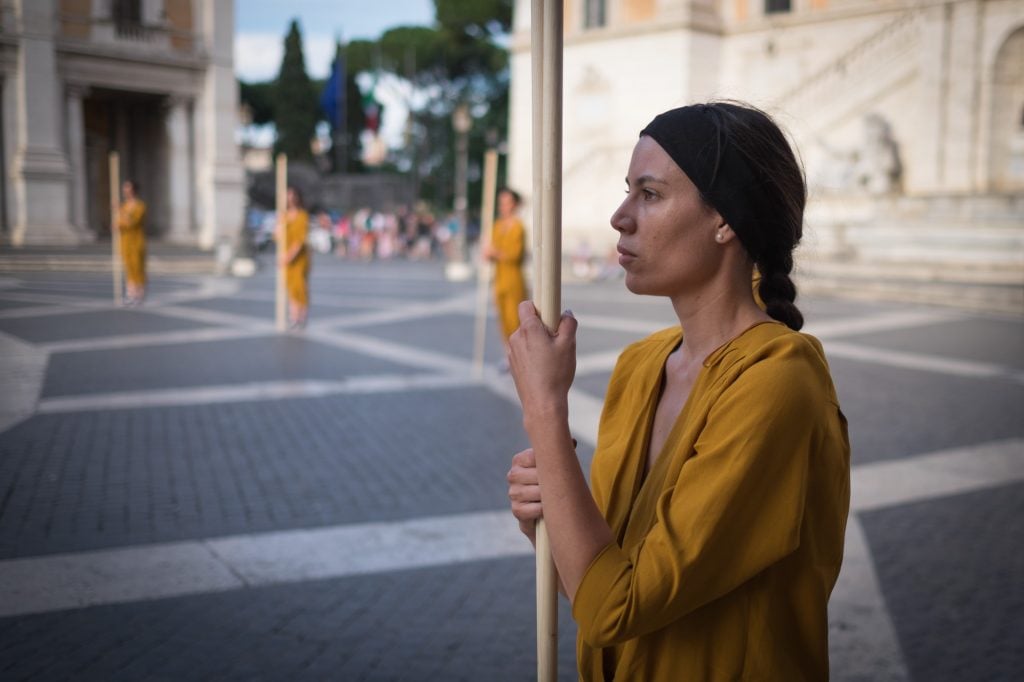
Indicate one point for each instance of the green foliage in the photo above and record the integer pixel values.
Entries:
(259, 98)
(296, 109)
(459, 59)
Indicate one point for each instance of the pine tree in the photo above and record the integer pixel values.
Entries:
(296, 109)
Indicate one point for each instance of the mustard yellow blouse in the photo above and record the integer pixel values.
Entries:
(726, 554)
(508, 239)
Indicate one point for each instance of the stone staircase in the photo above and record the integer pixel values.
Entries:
(965, 251)
(846, 86)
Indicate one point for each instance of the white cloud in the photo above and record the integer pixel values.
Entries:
(258, 55)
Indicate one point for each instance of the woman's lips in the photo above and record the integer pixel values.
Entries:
(625, 256)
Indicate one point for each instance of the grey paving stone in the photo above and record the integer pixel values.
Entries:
(472, 621)
(270, 358)
(595, 384)
(103, 479)
(950, 570)
(7, 304)
(452, 334)
(990, 340)
(261, 309)
(92, 324)
(895, 413)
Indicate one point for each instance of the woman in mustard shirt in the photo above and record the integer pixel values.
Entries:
(714, 533)
(294, 256)
(131, 226)
(506, 251)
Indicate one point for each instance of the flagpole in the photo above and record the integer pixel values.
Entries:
(547, 295)
(115, 231)
(484, 272)
(281, 189)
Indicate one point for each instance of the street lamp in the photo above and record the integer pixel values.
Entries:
(458, 268)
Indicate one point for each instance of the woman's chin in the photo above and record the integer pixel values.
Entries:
(636, 284)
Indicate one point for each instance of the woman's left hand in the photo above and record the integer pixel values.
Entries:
(543, 364)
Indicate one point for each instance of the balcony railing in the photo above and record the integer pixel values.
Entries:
(119, 31)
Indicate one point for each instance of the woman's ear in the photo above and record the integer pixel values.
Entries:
(724, 233)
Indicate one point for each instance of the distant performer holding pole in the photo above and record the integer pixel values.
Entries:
(506, 250)
(294, 257)
(713, 534)
(131, 227)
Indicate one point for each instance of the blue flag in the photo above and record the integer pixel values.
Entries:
(332, 99)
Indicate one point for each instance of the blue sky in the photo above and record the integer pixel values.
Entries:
(260, 26)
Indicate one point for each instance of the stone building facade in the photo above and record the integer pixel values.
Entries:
(150, 79)
(908, 114)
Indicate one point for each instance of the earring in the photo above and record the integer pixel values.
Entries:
(719, 237)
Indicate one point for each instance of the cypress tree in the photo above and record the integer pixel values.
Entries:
(295, 104)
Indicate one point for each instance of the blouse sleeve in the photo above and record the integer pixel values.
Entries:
(735, 509)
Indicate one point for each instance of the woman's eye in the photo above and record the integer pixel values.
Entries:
(648, 194)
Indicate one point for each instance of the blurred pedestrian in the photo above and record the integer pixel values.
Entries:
(295, 257)
(721, 481)
(506, 250)
(131, 226)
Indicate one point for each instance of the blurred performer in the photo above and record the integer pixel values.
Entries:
(506, 251)
(294, 256)
(131, 224)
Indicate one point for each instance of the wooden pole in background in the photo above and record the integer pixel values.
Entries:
(547, 296)
(115, 232)
(484, 273)
(281, 296)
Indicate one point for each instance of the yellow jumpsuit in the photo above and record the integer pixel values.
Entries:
(296, 230)
(726, 553)
(507, 239)
(131, 226)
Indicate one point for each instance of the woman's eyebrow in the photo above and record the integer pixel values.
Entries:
(648, 180)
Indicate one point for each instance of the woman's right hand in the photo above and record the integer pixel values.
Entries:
(524, 492)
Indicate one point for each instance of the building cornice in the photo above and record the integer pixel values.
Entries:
(121, 54)
(137, 74)
(714, 26)
(521, 42)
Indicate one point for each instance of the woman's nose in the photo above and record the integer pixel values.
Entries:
(620, 219)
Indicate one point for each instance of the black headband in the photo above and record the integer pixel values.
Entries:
(695, 139)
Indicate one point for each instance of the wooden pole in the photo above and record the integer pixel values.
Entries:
(115, 232)
(547, 296)
(484, 273)
(281, 297)
(537, 82)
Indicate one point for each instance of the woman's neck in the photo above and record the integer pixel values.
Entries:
(716, 316)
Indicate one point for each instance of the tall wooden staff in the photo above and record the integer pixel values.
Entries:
(484, 273)
(280, 298)
(115, 232)
(546, 43)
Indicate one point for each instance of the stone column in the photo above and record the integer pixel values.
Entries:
(177, 124)
(220, 175)
(76, 157)
(42, 196)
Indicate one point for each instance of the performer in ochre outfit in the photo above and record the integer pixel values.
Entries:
(714, 533)
(131, 226)
(294, 255)
(506, 251)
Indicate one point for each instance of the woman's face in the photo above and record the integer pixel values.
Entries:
(506, 204)
(291, 200)
(666, 231)
(127, 191)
